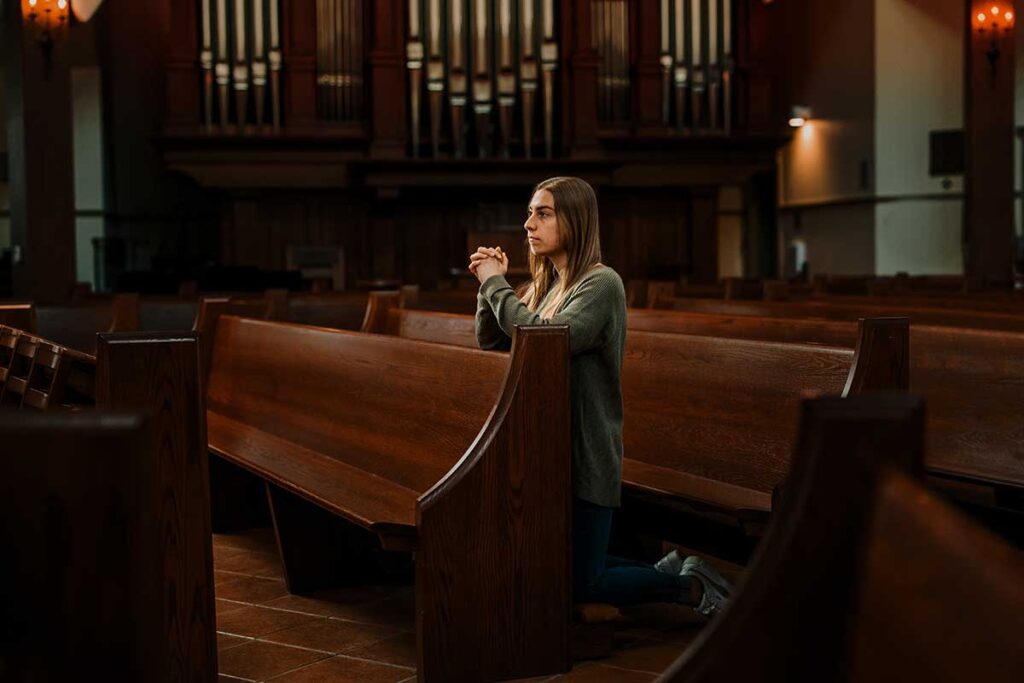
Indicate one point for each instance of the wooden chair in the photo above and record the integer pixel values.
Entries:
(409, 441)
(8, 344)
(19, 371)
(864, 575)
(47, 378)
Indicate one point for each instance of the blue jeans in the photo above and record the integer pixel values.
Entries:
(600, 577)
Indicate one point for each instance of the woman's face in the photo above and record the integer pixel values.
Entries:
(542, 225)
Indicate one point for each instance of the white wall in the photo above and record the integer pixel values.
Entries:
(831, 71)
(840, 239)
(919, 236)
(5, 204)
(919, 88)
(86, 105)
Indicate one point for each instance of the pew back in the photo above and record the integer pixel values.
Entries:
(20, 316)
(721, 409)
(961, 318)
(290, 379)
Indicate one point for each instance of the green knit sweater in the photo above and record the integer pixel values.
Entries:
(595, 311)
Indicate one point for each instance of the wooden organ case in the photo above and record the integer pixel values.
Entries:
(366, 102)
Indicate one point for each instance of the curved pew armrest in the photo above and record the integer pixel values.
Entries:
(493, 564)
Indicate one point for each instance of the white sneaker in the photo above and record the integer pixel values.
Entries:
(717, 589)
(673, 563)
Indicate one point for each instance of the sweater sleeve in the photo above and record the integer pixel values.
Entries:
(489, 335)
(587, 311)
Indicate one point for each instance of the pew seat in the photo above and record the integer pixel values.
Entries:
(410, 441)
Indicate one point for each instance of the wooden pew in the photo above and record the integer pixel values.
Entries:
(864, 575)
(79, 549)
(833, 310)
(429, 447)
(20, 316)
(159, 373)
(971, 378)
(113, 568)
(75, 325)
(973, 381)
(708, 421)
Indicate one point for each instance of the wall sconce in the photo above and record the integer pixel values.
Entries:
(49, 19)
(799, 115)
(991, 19)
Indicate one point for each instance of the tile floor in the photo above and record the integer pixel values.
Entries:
(367, 634)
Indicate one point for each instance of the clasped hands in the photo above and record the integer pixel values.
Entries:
(487, 262)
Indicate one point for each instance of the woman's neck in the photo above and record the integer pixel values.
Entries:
(560, 261)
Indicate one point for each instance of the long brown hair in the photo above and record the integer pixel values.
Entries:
(579, 235)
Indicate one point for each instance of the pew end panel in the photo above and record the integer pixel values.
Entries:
(159, 373)
(978, 627)
(788, 610)
(80, 549)
(507, 502)
(378, 306)
(209, 311)
(881, 360)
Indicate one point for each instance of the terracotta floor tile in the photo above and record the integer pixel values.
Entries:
(220, 577)
(260, 660)
(398, 613)
(222, 607)
(223, 552)
(599, 673)
(346, 670)
(259, 621)
(649, 656)
(336, 603)
(331, 635)
(250, 563)
(252, 590)
(226, 641)
(399, 650)
(252, 539)
(224, 678)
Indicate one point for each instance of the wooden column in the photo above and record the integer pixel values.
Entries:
(648, 67)
(298, 45)
(580, 104)
(39, 161)
(387, 74)
(183, 83)
(989, 136)
(704, 234)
